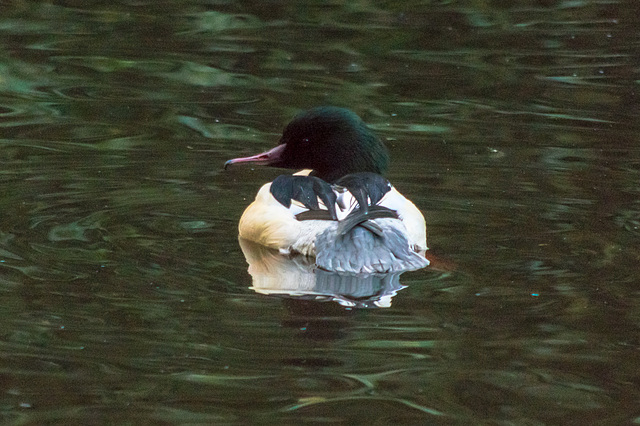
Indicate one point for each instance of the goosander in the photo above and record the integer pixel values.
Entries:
(339, 209)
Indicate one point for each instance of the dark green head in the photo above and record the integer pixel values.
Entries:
(332, 141)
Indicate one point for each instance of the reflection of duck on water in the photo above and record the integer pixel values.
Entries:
(342, 211)
(297, 277)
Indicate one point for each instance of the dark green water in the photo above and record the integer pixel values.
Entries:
(125, 296)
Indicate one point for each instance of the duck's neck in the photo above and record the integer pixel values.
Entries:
(336, 174)
(368, 161)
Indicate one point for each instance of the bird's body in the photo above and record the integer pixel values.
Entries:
(341, 210)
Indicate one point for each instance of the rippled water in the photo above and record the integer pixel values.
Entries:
(124, 293)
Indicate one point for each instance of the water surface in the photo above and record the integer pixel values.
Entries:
(124, 293)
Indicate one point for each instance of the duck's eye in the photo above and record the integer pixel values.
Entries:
(305, 140)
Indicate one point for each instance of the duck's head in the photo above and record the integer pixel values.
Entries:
(331, 141)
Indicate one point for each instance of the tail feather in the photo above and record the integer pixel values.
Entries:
(361, 250)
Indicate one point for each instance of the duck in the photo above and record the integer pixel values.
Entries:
(338, 207)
